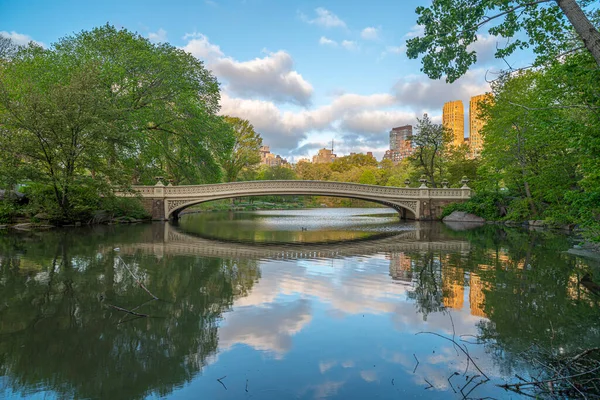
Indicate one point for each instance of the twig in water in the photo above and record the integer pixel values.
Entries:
(417, 363)
(135, 308)
(127, 311)
(246, 385)
(453, 331)
(430, 385)
(137, 280)
(221, 382)
(463, 350)
(517, 385)
(392, 381)
(450, 377)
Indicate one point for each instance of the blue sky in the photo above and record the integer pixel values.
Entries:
(302, 72)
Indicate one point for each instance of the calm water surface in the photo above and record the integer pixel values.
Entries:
(304, 304)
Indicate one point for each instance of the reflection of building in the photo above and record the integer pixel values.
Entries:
(476, 123)
(476, 295)
(400, 267)
(400, 143)
(453, 118)
(453, 287)
(324, 156)
(270, 159)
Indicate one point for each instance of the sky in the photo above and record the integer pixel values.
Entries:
(303, 73)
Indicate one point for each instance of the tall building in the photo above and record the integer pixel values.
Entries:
(453, 118)
(324, 156)
(270, 159)
(476, 123)
(400, 143)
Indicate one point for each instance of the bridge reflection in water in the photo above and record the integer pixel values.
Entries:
(169, 240)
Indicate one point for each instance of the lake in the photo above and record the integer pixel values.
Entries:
(289, 304)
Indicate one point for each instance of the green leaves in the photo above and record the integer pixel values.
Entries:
(109, 104)
(450, 27)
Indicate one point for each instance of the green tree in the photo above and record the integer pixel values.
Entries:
(107, 106)
(450, 27)
(275, 173)
(245, 153)
(430, 140)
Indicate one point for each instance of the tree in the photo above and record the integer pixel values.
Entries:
(275, 173)
(8, 48)
(430, 141)
(450, 27)
(107, 106)
(245, 153)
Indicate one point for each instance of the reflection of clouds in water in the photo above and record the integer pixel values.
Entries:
(369, 376)
(267, 328)
(326, 389)
(325, 366)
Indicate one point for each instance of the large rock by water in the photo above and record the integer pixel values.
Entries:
(461, 216)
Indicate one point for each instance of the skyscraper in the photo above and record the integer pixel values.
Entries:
(453, 118)
(400, 143)
(476, 123)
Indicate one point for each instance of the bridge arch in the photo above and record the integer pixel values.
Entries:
(420, 203)
(405, 209)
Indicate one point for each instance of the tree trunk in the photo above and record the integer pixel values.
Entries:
(582, 25)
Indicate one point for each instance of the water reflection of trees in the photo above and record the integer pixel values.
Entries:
(529, 291)
(56, 331)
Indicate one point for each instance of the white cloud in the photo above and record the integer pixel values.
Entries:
(485, 46)
(158, 36)
(415, 30)
(271, 77)
(349, 45)
(199, 46)
(376, 121)
(370, 33)
(421, 92)
(20, 39)
(395, 49)
(327, 42)
(324, 18)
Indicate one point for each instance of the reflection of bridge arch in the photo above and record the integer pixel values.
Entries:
(165, 202)
(175, 242)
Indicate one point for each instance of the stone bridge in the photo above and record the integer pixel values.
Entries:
(423, 203)
(169, 241)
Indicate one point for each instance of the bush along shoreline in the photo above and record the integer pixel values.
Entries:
(34, 210)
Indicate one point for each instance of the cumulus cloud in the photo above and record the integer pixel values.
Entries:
(20, 39)
(327, 42)
(287, 129)
(271, 77)
(324, 18)
(485, 46)
(370, 33)
(158, 36)
(349, 44)
(420, 91)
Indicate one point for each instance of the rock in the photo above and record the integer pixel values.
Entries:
(463, 226)
(42, 216)
(511, 223)
(78, 223)
(3, 226)
(536, 223)
(461, 216)
(101, 217)
(23, 227)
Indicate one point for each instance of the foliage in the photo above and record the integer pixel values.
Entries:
(109, 105)
(450, 29)
(278, 172)
(245, 151)
(431, 140)
(489, 205)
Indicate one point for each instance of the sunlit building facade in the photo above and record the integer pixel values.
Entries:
(476, 123)
(453, 118)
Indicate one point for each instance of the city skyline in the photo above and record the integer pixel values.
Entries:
(317, 72)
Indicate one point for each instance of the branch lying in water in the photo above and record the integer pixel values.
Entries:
(127, 311)
(138, 281)
(461, 349)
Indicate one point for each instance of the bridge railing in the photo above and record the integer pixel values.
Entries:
(319, 187)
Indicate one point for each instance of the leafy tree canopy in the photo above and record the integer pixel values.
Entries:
(450, 27)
